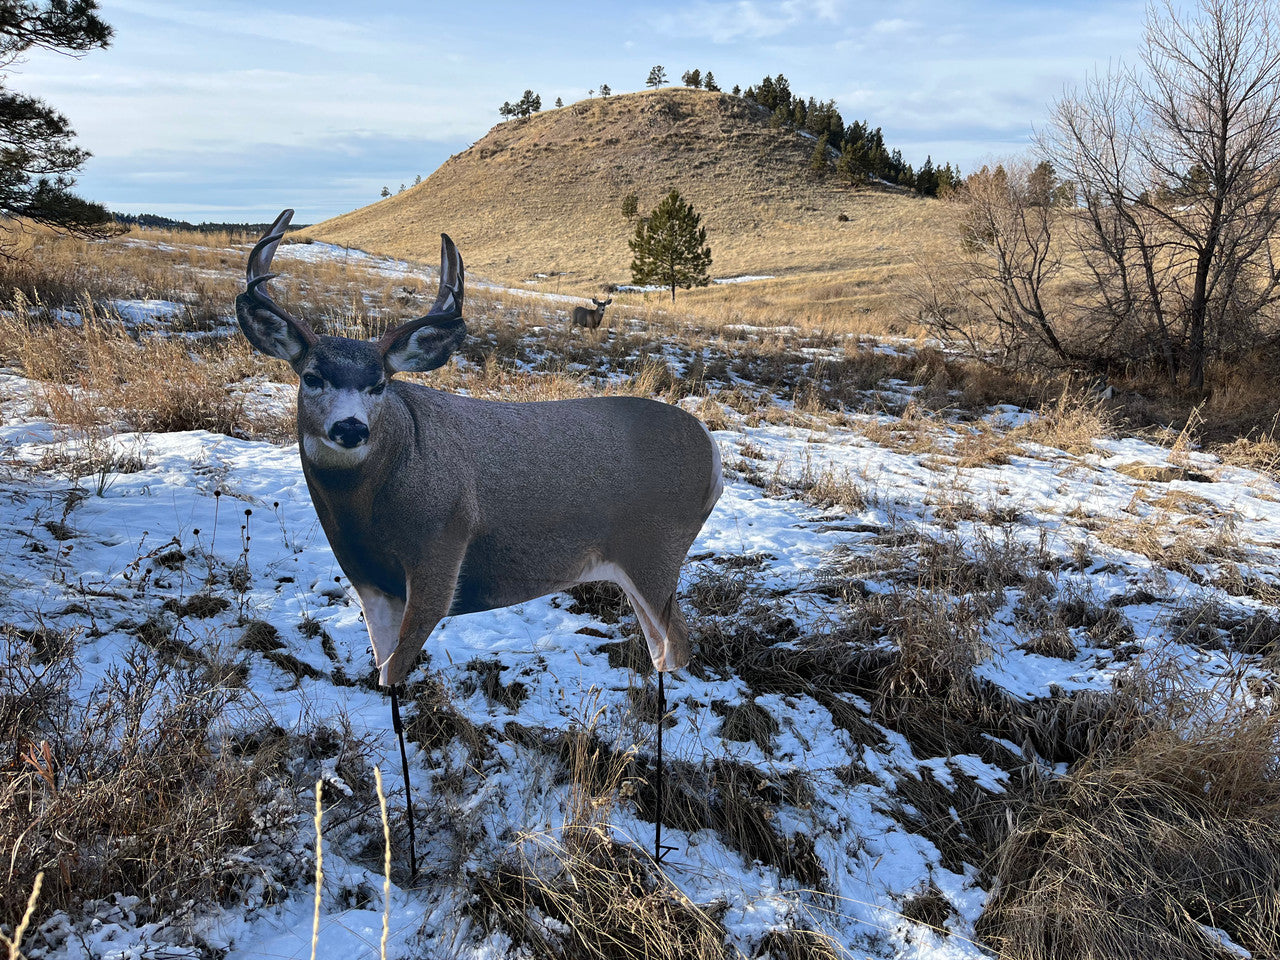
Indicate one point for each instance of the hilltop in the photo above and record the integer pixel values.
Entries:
(543, 195)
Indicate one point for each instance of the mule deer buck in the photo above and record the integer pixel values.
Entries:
(437, 504)
(582, 317)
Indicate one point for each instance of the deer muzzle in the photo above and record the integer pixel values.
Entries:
(349, 433)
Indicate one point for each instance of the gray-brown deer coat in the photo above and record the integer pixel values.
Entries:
(436, 504)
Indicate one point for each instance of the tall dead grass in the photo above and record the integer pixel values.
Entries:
(580, 894)
(1148, 848)
(98, 374)
(130, 790)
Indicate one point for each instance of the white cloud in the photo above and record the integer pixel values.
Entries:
(895, 25)
(352, 37)
(748, 19)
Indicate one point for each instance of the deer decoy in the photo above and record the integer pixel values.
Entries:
(437, 504)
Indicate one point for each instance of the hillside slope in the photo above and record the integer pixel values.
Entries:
(544, 194)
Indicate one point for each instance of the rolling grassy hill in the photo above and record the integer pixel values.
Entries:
(543, 195)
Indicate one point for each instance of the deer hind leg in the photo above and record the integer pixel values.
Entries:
(664, 630)
(652, 595)
(654, 601)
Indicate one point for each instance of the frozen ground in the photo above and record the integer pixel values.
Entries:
(79, 557)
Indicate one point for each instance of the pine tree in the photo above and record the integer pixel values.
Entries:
(38, 159)
(529, 104)
(692, 78)
(604, 90)
(657, 77)
(927, 179)
(386, 192)
(782, 91)
(559, 102)
(670, 247)
(764, 94)
(709, 82)
(630, 206)
(818, 162)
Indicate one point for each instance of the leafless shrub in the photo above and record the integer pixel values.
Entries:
(1171, 166)
(1007, 218)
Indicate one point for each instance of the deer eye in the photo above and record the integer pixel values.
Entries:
(312, 381)
(378, 388)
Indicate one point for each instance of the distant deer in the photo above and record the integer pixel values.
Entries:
(582, 317)
(437, 504)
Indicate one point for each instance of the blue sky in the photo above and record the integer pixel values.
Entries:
(226, 110)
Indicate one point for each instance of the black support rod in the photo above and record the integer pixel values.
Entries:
(658, 849)
(408, 791)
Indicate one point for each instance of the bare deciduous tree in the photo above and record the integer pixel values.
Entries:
(1006, 224)
(1177, 171)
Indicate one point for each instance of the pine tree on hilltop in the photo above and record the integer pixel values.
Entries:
(670, 248)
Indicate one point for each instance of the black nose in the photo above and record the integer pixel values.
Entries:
(349, 432)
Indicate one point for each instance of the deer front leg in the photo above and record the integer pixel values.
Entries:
(383, 615)
(430, 587)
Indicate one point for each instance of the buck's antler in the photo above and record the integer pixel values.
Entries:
(448, 304)
(258, 273)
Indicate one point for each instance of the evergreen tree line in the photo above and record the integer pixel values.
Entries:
(154, 221)
(862, 151)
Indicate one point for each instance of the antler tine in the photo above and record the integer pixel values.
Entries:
(448, 303)
(258, 272)
(452, 282)
(265, 249)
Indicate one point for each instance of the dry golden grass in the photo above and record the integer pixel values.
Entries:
(76, 775)
(98, 375)
(1139, 848)
(543, 195)
(580, 893)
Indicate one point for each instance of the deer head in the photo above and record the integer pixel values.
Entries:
(342, 382)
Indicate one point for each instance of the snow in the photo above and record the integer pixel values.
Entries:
(136, 312)
(198, 481)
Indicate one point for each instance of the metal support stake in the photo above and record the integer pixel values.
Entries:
(659, 851)
(408, 791)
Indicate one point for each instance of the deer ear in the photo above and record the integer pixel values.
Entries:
(273, 331)
(423, 345)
